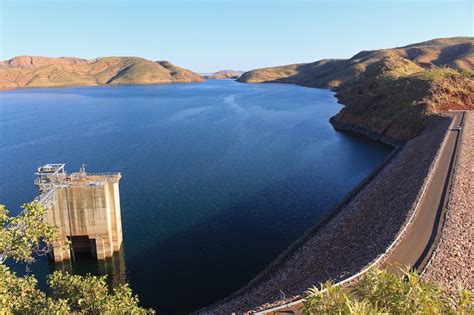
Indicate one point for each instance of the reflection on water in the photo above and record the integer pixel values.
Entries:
(114, 267)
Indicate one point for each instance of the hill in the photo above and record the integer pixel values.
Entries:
(389, 93)
(224, 74)
(33, 71)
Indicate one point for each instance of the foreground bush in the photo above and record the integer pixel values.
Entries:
(28, 235)
(381, 292)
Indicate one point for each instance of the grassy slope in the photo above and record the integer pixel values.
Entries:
(26, 71)
(389, 93)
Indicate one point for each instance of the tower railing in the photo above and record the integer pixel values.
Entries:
(104, 174)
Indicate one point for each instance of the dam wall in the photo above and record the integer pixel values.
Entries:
(358, 231)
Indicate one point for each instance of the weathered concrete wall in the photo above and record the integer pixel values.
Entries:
(88, 210)
(115, 216)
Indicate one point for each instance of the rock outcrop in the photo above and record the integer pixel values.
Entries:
(393, 99)
(389, 93)
(32, 71)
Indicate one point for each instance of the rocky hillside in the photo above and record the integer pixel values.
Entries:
(389, 93)
(392, 100)
(32, 71)
(224, 74)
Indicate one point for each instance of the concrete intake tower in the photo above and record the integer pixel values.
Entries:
(86, 209)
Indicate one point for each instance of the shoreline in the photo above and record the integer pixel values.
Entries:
(338, 124)
(90, 85)
(344, 127)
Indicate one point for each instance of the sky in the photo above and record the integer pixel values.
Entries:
(211, 35)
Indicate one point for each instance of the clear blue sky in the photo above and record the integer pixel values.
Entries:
(224, 34)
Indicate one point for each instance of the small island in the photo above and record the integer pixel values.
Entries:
(223, 74)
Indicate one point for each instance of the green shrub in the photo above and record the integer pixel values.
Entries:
(382, 292)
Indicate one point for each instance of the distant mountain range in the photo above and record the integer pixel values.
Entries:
(33, 71)
(224, 74)
(389, 93)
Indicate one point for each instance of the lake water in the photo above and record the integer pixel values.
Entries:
(218, 177)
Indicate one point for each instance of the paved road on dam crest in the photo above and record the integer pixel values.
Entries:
(416, 245)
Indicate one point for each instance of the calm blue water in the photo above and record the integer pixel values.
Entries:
(218, 177)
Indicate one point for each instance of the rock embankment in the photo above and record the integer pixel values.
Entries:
(453, 261)
(357, 233)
